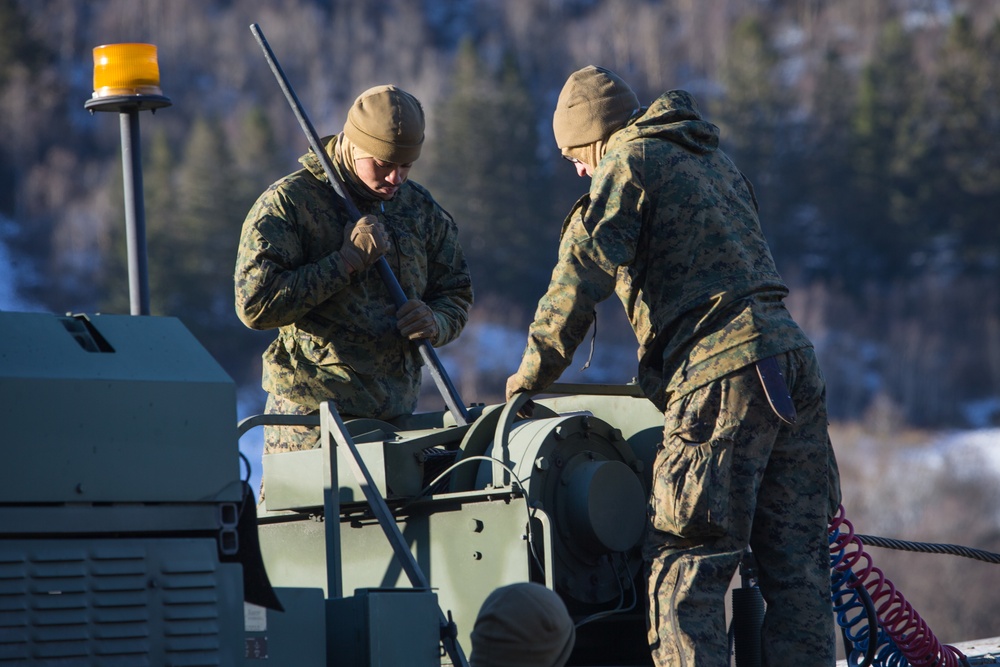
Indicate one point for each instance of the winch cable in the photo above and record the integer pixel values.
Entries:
(848, 601)
(910, 640)
(890, 634)
(930, 548)
(853, 604)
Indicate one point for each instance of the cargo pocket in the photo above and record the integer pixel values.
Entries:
(693, 471)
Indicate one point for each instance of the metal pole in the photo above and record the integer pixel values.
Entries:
(331, 500)
(448, 392)
(333, 425)
(135, 214)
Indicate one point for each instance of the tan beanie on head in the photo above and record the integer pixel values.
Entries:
(522, 625)
(594, 103)
(386, 123)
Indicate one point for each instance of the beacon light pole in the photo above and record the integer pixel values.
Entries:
(127, 80)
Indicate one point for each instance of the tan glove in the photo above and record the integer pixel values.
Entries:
(415, 319)
(515, 386)
(364, 243)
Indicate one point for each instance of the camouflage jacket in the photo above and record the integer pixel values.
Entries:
(337, 336)
(671, 224)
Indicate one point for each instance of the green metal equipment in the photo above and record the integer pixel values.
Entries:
(120, 495)
(559, 499)
(128, 537)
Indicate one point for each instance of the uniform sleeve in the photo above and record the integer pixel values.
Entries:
(274, 284)
(449, 283)
(596, 241)
(636, 309)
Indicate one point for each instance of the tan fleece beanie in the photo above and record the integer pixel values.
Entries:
(386, 123)
(522, 625)
(594, 103)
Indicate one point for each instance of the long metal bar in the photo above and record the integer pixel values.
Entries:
(135, 213)
(331, 502)
(275, 420)
(331, 421)
(441, 379)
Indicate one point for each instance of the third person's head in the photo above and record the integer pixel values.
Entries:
(594, 104)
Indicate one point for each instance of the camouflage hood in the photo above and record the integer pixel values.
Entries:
(337, 329)
(670, 223)
(673, 117)
(355, 188)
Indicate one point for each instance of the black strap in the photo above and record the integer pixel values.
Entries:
(776, 389)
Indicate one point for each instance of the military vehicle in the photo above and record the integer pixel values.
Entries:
(129, 534)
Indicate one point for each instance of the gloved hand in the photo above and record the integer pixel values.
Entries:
(364, 242)
(415, 319)
(517, 384)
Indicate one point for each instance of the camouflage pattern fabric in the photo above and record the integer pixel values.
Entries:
(337, 335)
(671, 225)
(288, 438)
(279, 439)
(672, 209)
(730, 473)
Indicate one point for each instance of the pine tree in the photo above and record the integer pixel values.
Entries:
(886, 147)
(484, 168)
(17, 46)
(256, 158)
(964, 186)
(201, 242)
(753, 117)
(160, 185)
(826, 170)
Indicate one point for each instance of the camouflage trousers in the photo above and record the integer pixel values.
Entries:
(288, 438)
(279, 439)
(729, 475)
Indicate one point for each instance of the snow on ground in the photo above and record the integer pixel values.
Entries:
(966, 452)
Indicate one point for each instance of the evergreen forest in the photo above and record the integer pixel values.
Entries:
(871, 132)
(869, 128)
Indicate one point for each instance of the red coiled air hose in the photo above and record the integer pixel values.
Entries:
(897, 617)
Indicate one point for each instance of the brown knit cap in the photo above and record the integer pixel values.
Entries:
(594, 103)
(387, 123)
(522, 625)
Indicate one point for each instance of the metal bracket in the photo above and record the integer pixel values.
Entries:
(334, 430)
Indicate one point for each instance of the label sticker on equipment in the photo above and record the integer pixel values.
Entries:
(254, 618)
(256, 648)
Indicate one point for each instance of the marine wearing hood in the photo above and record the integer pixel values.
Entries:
(664, 200)
(674, 117)
(593, 103)
(337, 331)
